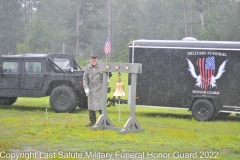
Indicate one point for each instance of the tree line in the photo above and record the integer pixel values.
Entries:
(80, 27)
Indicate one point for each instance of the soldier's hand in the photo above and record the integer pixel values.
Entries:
(87, 91)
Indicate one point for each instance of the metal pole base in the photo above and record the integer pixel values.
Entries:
(131, 125)
(103, 123)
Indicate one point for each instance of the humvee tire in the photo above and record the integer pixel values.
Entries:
(7, 100)
(83, 103)
(63, 99)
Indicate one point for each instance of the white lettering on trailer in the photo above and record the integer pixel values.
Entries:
(235, 107)
(199, 92)
(197, 53)
(216, 54)
(205, 92)
(200, 53)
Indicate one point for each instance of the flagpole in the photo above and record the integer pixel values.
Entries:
(107, 47)
(109, 25)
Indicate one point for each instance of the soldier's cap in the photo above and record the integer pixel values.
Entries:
(93, 56)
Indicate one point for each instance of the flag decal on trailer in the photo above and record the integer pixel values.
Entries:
(206, 66)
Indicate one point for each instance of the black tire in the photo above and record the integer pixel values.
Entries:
(63, 99)
(83, 102)
(203, 110)
(7, 100)
(3, 100)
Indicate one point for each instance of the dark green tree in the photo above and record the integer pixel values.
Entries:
(211, 24)
(38, 39)
(11, 26)
(29, 7)
(126, 26)
(230, 20)
(55, 16)
(80, 27)
(88, 19)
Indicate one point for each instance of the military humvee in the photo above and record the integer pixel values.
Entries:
(37, 75)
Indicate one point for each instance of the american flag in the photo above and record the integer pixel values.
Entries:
(107, 47)
(206, 69)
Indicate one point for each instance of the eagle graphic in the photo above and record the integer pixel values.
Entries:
(210, 81)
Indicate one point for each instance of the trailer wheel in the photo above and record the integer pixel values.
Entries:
(203, 110)
(63, 99)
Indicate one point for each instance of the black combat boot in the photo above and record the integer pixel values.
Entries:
(92, 118)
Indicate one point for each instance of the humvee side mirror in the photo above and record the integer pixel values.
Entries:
(1, 68)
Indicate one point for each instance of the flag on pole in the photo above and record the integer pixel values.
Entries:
(107, 47)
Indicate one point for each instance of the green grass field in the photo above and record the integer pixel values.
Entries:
(30, 126)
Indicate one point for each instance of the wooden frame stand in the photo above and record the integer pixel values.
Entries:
(104, 122)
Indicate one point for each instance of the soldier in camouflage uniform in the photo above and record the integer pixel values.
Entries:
(92, 83)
